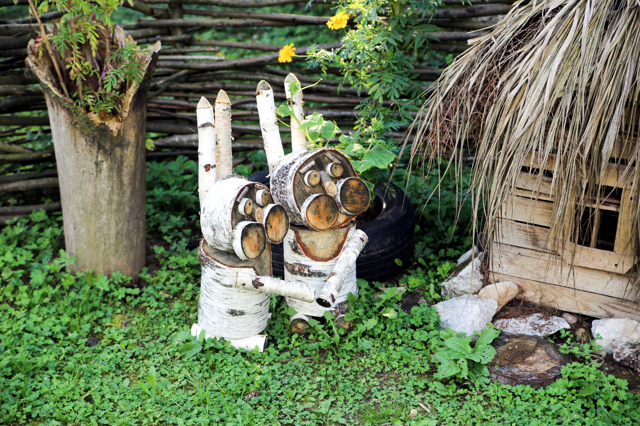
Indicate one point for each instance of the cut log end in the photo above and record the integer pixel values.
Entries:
(354, 195)
(276, 223)
(323, 302)
(252, 241)
(335, 170)
(222, 98)
(312, 178)
(263, 198)
(204, 103)
(320, 211)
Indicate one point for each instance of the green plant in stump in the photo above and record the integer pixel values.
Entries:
(99, 63)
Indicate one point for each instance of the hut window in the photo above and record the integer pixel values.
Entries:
(598, 222)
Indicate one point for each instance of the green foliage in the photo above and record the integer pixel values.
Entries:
(88, 349)
(456, 357)
(579, 349)
(99, 68)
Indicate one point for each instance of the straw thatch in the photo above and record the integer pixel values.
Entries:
(558, 79)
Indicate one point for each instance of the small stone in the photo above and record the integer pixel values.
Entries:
(503, 292)
(615, 331)
(465, 278)
(413, 413)
(628, 354)
(571, 319)
(467, 255)
(466, 314)
(533, 325)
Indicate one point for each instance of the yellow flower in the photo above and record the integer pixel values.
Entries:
(339, 21)
(286, 53)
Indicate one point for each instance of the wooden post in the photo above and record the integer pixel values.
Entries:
(206, 149)
(101, 170)
(269, 124)
(223, 135)
(298, 138)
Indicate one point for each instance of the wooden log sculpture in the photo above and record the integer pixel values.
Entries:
(239, 221)
(322, 196)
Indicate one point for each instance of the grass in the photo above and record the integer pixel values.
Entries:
(87, 350)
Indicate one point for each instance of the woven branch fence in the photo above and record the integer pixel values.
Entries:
(191, 65)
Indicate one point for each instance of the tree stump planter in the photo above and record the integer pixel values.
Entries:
(101, 167)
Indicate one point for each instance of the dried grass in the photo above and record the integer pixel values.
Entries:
(558, 79)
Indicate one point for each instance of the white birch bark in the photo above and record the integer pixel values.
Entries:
(248, 343)
(206, 149)
(282, 179)
(301, 269)
(270, 285)
(298, 138)
(347, 259)
(223, 135)
(226, 311)
(217, 209)
(269, 124)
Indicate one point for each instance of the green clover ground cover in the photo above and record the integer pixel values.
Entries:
(86, 350)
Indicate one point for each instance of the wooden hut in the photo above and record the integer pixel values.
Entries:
(548, 104)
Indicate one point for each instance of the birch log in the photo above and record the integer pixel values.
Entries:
(223, 135)
(298, 138)
(206, 149)
(227, 311)
(227, 227)
(269, 124)
(310, 256)
(347, 259)
(252, 282)
(248, 343)
(296, 185)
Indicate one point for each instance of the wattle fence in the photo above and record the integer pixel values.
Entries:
(191, 64)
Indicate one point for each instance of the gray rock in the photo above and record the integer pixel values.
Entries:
(466, 314)
(533, 325)
(465, 257)
(615, 331)
(503, 292)
(628, 354)
(465, 278)
(571, 319)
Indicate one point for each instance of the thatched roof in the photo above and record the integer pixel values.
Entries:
(558, 79)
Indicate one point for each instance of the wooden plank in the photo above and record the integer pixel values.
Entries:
(535, 183)
(626, 233)
(593, 258)
(529, 210)
(549, 268)
(522, 235)
(566, 299)
(613, 176)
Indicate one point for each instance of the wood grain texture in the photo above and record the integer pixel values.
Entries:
(550, 268)
(577, 301)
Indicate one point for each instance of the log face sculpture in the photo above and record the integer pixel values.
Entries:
(322, 196)
(239, 221)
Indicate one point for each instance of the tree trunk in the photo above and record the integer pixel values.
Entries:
(101, 168)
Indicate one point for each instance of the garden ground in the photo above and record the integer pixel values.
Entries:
(87, 350)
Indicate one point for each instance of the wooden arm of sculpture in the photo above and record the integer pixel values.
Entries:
(270, 285)
(345, 262)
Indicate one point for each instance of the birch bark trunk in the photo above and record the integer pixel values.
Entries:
(101, 168)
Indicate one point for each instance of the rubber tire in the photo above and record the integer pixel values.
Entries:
(390, 236)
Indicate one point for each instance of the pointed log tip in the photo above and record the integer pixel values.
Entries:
(291, 76)
(263, 85)
(222, 98)
(204, 103)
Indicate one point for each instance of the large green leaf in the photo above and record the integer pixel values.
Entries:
(189, 349)
(459, 345)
